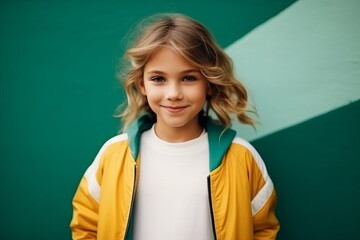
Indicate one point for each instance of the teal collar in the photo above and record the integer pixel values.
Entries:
(220, 138)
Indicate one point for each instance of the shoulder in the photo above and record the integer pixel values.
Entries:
(243, 147)
(240, 141)
(244, 144)
(117, 139)
(114, 143)
(110, 147)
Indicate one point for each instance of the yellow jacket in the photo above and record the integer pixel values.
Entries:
(241, 194)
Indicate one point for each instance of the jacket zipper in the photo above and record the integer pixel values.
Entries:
(131, 205)
(211, 209)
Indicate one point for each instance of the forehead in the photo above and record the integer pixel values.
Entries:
(166, 59)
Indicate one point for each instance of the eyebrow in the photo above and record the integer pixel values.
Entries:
(192, 70)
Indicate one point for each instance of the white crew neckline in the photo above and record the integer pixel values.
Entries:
(187, 146)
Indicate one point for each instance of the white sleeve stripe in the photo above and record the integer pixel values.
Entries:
(90, 174)
(265, 192)
(262, 197)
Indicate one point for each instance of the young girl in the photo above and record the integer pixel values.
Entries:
(176, 173)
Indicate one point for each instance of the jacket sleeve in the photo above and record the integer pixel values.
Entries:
(85, 213)
(85, 203)
(266, 225)
(265, 222)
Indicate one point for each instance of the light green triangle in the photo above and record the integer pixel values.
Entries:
(300, 64)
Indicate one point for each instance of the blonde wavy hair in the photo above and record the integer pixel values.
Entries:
(193, 41)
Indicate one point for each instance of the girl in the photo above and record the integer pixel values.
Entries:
(176, 173)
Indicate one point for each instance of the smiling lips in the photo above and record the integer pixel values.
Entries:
(174, 109)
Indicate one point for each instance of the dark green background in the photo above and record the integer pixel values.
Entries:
(58, 93)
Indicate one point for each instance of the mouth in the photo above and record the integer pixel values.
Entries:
(174, 109)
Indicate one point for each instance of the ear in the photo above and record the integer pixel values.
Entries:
(141, 87)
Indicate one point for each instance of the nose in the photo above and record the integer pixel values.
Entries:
(174, 92)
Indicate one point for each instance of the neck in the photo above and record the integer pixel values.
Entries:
(178, 134)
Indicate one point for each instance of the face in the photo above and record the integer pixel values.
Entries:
(175, 90)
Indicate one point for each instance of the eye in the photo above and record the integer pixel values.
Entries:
(157, 79)
(189, 78)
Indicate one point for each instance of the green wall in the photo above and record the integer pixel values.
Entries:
(315, 168)
(58, 94)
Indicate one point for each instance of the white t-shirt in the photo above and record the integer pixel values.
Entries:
(172, 200)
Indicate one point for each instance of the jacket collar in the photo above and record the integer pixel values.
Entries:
(220, 138)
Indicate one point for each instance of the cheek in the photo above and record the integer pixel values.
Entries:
(153, 94)
(199, 94)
